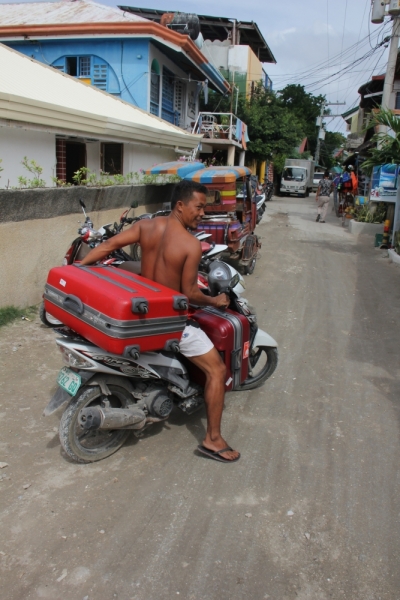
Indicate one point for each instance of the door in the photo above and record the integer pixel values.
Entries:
(75, 158)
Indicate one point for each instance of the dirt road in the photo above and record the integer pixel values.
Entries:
(310, 512)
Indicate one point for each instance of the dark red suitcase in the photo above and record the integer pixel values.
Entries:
(230, 333)
(121, 312)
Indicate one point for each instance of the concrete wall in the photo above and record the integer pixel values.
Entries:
(37, 227)
(93, 157)
(238, 64)
(17, 142)
(217, 52)
(254, 70)
(143, 157)
(238, 58)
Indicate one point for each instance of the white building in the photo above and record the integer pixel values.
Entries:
(62, 124)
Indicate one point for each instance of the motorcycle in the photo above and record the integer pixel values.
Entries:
(107, 396)
(268, 189)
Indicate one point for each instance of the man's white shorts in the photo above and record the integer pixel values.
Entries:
(194, 342)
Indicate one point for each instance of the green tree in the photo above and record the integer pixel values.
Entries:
(274, 130)
(333, 141)
(306, 109)
(388, 144)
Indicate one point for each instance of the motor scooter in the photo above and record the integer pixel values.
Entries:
(107, 396)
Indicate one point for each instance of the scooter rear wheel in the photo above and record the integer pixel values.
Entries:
(249, 269)
(47, 319)
(90, 446)
(263, 361)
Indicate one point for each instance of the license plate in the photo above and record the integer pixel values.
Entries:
(69, 381)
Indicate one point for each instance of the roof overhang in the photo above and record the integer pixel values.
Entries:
(45, 114)
(216, 28)
(181, 43)
(349, 113)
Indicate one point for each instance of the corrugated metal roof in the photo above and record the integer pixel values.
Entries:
(34, 93)
(69, 11)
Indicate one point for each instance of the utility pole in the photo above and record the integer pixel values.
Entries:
(319, 125)
(377, 16)
(390, 71)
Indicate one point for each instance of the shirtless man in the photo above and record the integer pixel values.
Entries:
(171, 256)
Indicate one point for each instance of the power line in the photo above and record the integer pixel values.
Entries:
(341, 47)
(346, 68)
(333, 61)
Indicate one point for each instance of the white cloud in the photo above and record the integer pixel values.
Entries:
(322, 28)
(276, 37)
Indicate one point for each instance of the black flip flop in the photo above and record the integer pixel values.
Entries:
(217, 454)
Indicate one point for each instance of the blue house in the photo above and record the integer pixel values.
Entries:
(144, 63)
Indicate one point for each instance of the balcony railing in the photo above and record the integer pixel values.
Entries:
(219, 126)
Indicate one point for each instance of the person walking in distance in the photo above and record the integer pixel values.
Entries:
(171, 256)
(322, 198)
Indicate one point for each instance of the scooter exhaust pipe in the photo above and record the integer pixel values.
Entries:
(99, 417)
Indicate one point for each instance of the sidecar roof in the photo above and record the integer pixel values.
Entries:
(218, 174)
(177, 167)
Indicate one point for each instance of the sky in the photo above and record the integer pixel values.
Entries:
(333, 36)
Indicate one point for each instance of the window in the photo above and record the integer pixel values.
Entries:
(397, 106)
(71, 64)
(92, 70)
(293, 174)
(78, 66)
(84, 66)
(155, 88)
(112, 158)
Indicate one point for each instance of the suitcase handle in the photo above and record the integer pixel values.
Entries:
(236, 359)
(74, 304)
(140, 305)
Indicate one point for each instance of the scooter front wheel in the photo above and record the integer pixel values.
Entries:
(263, 361)
(136, 252)
(92, 445)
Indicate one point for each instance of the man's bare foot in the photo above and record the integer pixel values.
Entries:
(218, 445)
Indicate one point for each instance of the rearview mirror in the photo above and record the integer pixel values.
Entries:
(135, 204)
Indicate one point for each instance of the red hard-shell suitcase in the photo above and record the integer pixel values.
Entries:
(121, 312)
(230, 333)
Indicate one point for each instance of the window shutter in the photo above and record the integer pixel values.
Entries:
(168, 96)
(178, 96)
(100, 76)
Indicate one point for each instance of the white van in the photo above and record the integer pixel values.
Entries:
(316, 179)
